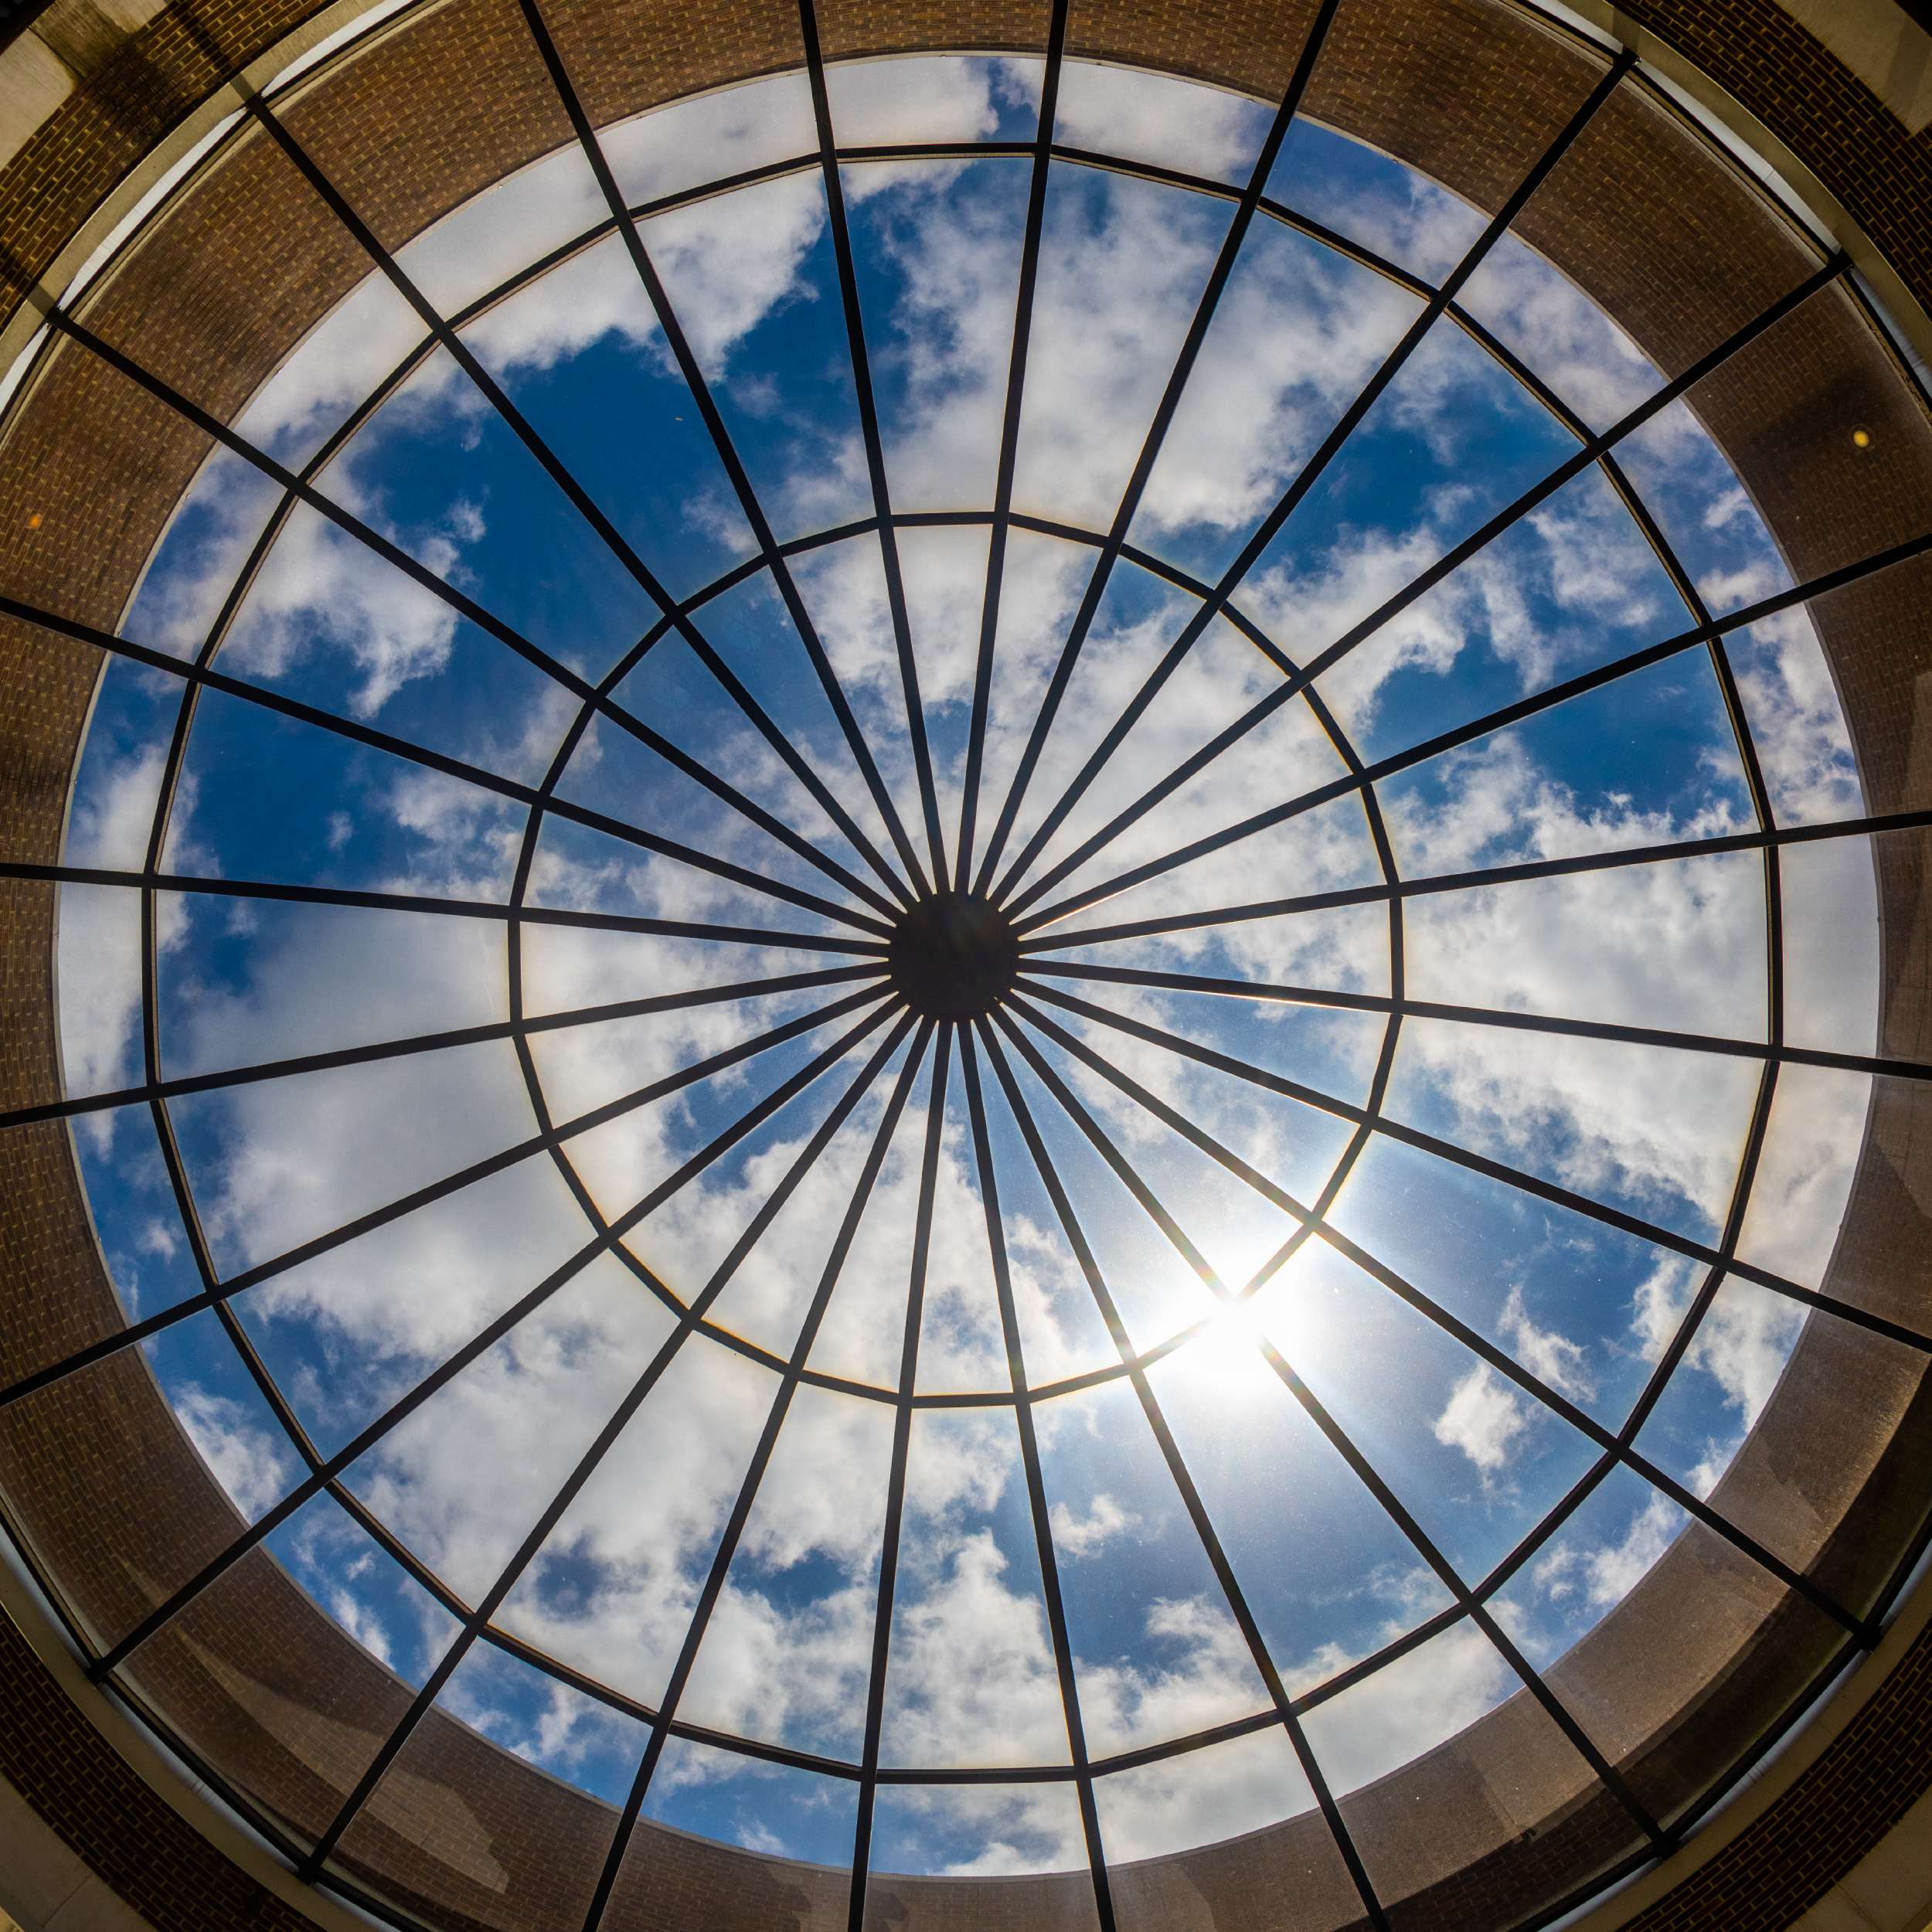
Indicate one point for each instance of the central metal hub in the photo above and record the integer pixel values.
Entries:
(953, 957)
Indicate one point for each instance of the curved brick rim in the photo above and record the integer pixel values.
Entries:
(1704, 1658)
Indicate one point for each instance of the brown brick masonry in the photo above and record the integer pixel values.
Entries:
(1497, 1823)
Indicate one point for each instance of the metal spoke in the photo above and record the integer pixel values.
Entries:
(1284, 1712)
(1344, 1445)
(1591, 453)
(477, 1345)
(1035, 1483)
(485, 908)
(874, 445)
(1646, 1231)
(493, 1599)
(160, 1090)
(617, 828)
(483, 1170)
(1009, 449)
(1504, 1364)
(896, 1479)
(770, 553)
(1204, 313)
(1263, 993)
(1313, 469)
(754, 1476)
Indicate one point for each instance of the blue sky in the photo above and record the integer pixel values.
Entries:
(1654, 1132)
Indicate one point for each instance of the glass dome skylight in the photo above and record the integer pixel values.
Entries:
(968, 989)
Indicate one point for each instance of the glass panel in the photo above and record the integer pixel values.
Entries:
(538, 1400)
(983, 1832)
(225, 1414)
(1474, 1458)
(1654, 1131)
(773, 1810)
(135, 1215)
(1408, 1707)
(1146, 116)
(1727, 1376)
(1376, 203)
(1298, 330)
(1828, 905)
(612, 1590)
(787, 1654)
(388, 1609)
(1678, 946)
(348, 1330)
(1805, 1171)
(1569, 587)
(99, 969)
(933, 97)
(1571, 1299)
(753, 281)
(1157, 1654)
(1123, 261)
(1599, 1554)
(937, 248)
(580, 353)
(1328, 1576)
(1647, 758)
(971, 1678)
(691, 142)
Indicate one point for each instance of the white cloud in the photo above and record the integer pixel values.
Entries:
(1483, 1417)
(1553, 1358)
(1082, 1535)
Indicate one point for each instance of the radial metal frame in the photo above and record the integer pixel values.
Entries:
(1011, 1039)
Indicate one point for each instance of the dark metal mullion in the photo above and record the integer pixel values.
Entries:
(1483, 876)
(1009, 448)
(436, 1191)
(1344, 1445)
(874, 445)
(539, 1532)
(896, 1481)
(1035, 1481)
(1218, 1559)
(579, 498)
(486, 908)
(1447, 1151)
(1617, 1444)
(1425, 581)
(413, 754)
(771, 554)
(477, 1345)
(1311, 473)
(740, 1515)
(1480, 1614)
(513, 1029)
(1262, 993)
(418, 573)
(1151, 444)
